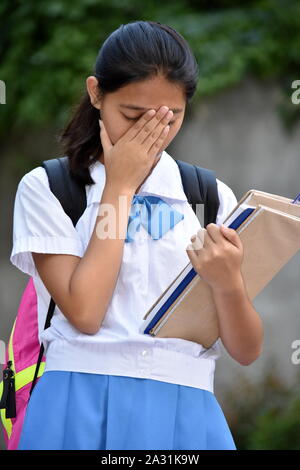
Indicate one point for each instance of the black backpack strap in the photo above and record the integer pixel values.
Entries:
(72, 197)
(200, 187)
(68, 191)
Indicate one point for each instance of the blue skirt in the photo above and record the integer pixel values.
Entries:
(83, 411)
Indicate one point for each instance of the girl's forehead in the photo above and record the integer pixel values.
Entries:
(151, 94)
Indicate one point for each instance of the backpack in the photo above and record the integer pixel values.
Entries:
(25, 360)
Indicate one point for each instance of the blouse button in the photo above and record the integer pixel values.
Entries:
(144, 352)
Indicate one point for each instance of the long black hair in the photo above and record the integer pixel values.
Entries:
(134, 52)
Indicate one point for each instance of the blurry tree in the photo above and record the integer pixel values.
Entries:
(47, 49)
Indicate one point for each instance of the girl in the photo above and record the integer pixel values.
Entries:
(105, 385)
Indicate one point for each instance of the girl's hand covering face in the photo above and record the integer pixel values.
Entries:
(130, 159)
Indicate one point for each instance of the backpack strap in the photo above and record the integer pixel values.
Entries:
(200, 187)
(72, 196)
(68, 191)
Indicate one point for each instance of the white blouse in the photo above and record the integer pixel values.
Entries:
(41, 225)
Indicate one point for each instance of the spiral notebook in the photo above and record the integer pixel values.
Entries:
(269, 228)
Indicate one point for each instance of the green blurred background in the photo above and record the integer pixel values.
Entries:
(241, 123)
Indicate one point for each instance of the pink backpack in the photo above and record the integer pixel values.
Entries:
(24, 354)
(21, 357)
(25, 361)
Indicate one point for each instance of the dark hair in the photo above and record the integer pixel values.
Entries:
(134, 52)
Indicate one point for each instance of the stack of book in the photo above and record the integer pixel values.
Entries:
(269, 228)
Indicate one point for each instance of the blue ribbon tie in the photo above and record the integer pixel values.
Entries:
(154, 214)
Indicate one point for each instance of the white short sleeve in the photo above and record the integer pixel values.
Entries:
(227, 201)
(40, 224)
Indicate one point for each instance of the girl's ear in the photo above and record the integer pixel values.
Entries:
(93, 91)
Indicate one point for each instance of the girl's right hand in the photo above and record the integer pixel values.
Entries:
(129, 161)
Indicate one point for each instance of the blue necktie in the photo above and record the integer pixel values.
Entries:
(154, 214)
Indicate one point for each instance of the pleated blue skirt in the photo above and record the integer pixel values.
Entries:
(83, 411)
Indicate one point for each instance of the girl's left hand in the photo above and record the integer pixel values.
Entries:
(216, 254)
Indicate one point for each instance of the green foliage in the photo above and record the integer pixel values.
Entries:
(278, 428)
(49, 48)
(266, 416)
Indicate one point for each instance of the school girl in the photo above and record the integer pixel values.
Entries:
(105, 385)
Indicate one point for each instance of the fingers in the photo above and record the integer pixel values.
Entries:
(214, 233)
(158, 129)
(198, 240)
(204, 238)
(192, 254)
(218, 233)
(232, 236)
(149, 128)
(136, 128)
(154, 148)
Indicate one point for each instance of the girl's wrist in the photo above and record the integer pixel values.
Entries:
(233, 285)
(119, 191)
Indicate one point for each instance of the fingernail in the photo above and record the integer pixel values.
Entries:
(100, 123)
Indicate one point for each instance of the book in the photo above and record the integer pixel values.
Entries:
(269, 228)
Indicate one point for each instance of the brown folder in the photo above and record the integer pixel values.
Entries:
(270, 237)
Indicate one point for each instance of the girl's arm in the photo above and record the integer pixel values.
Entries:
(82, 287)
(218, 262)
(240, 325)
(93, 282)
